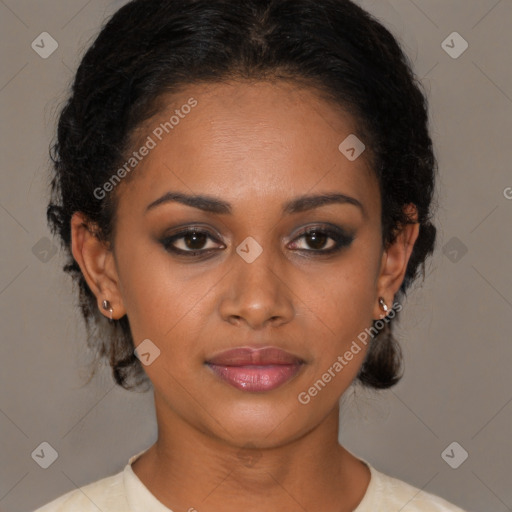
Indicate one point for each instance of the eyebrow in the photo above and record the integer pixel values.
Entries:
(215, 205)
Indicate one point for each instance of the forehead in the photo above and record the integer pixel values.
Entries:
(258, 140)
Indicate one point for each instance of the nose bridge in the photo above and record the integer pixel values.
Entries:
(256, 291)
(256, 266)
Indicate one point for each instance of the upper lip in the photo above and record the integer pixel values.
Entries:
(247, 356)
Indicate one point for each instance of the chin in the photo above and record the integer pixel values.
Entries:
(262, 423)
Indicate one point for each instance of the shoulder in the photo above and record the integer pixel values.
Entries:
(107, 495)
(395, 495)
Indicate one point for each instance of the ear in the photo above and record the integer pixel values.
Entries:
(394, 261)
(97, 263)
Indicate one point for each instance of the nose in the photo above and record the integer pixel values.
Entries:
(256, 293)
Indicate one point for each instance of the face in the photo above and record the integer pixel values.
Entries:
(251, 264)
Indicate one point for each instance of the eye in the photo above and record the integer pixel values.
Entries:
(190, 241)
(323, 240)
(195, 241)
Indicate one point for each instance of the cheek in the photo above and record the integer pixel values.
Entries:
(337, 330)
(343, 297)
(146, 289)
(165, 302)
(340, 309)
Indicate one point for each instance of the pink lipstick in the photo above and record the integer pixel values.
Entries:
(252, 369)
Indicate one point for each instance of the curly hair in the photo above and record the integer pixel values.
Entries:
(149, 48)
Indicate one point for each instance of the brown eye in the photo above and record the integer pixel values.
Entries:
(317, 239)
(195, 240)
(190, 242)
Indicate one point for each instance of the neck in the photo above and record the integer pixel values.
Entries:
(188, 469)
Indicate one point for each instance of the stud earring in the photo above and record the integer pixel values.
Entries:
(106, 305)
(383, 306)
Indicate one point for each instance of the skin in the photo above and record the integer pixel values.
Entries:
(256, 146)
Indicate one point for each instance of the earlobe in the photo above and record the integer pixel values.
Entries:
(96, 263)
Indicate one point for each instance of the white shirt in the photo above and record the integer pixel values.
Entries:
(125, 492)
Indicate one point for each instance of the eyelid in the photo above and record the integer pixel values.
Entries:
(187, 228)
(324, 227)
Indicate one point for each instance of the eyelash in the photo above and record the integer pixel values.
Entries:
(341, 240)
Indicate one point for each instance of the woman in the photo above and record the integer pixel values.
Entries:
(245, 191)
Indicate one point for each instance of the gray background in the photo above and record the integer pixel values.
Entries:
(454, 330)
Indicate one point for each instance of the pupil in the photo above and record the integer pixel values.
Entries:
(195, 237)
(318, 239)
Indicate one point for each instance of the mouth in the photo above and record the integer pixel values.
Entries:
(255, 370)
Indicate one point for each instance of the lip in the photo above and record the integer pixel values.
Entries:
(251, 369)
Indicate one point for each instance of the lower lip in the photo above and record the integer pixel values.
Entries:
(256, 378)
